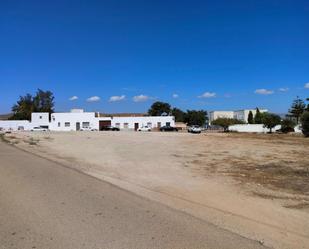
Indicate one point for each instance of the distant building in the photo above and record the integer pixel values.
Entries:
(240, 114)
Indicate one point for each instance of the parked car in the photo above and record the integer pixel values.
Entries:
(88, 129)
(168, 128)
(39, 129)
(144, 128)
(110, 128)
(195, 129)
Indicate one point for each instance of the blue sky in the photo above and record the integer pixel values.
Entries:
(193, 54)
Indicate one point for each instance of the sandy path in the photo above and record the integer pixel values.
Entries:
(193, 174)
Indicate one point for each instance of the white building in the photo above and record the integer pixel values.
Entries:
(220, 114)
(78, 119)
(244, 114)
(240, 114)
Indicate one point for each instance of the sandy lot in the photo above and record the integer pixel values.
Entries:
(254, 185)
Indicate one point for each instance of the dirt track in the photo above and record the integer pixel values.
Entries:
(255, 185)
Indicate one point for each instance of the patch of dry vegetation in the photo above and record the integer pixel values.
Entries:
(275, 162)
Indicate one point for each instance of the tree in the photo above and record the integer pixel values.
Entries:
(23, 108)
(158, 108)
(193, 117)
(270, 120)
(258, 117)
(178, 114)
(226, 122)
(307, 109)
(250, 118)
(287, 125)
(43, 101)
(305, 123)
(297, 109)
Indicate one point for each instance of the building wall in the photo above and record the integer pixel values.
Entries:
(240, 115)
(129, 122)
(15, 124)
(67, 121)
(257, 128)
(220, 114)
(40, 118)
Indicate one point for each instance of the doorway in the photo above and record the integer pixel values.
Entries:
(104, 123)
(77, 126)
(135, 126)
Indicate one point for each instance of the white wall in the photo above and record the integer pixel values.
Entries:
(258, 128)
(298, 129)
(142, 121)
(40, 118)
(58, 121)
(15, 124)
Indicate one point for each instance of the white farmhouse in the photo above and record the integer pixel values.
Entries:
(77, 119)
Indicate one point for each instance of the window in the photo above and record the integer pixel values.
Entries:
(126, 125)
(67, 124)
(159, 125)
(53, 117)
(168, 123)
(40, 117)
(117, 125)
(58, 124)
(149, 124)
(85, 124)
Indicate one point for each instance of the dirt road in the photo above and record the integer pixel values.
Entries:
(46, 205)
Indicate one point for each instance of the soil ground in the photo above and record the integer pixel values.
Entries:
(254, 184)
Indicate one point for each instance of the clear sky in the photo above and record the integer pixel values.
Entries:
(193, 54)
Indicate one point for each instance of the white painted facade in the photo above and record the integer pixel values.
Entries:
(220, 114)
(255, 128)
(72, 121)
(78, 119)
(151, 121)
(40, 119)
(240, 114)
(14, 125)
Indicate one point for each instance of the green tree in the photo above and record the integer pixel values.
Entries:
(226, 122)
(158, 108)
(178, 114)
(287, 125)
(297, 109)
(250, 118)
(23, 108)
(43, 101)
(307, 109)
(305, 123)
(270, 120)
(258, 117)
(193, 117)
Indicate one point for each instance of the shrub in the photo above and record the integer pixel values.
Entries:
(270, 120)
(287, 125)
(305, 123)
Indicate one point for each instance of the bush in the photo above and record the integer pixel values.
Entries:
(287, 125)
(270, 120)
(226, 122)
(305, 124)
